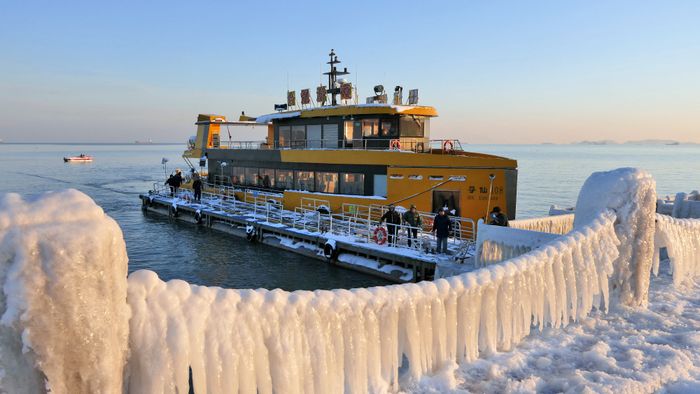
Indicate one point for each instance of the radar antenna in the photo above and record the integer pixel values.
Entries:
(333, 74)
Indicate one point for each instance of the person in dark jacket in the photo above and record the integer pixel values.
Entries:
(498, 218)
(176, 182)
(197, 187)
(393, 220)
(412, 218)
(441, 227)
(169, 182)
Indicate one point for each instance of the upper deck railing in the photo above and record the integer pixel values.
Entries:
(398, 144)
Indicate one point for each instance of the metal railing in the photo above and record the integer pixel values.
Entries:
(406, 144)
(315, 216)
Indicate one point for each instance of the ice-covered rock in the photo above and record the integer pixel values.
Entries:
(64, 323)
(631, 194)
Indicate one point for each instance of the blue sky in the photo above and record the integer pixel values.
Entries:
(497, 71)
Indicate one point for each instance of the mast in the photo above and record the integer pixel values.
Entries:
(333, 76)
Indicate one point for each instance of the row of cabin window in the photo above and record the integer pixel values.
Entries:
(313, 181)
(326, 136)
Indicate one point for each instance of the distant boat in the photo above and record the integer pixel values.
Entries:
(139, 142)
(78, 159)
(673, 143)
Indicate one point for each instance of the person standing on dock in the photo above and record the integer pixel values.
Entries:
(169, 182)
(441, 227)
(197, 187)
(393, 221)
(176, 182)
(412, 219)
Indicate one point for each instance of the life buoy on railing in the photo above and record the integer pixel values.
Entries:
(380, 235)
(395, 144)
(448, 146)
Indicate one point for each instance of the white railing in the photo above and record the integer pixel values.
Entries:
(558, 224)
(681, 239)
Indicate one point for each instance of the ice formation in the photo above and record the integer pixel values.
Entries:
(681, 238)
(495, 243)
(558, 224)
(356, 340)
(64, 323)
(631, 194)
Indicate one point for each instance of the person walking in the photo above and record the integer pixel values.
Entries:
(498, 218)
(412, 218)
(197, 187)
(393, 221)
(441, 227)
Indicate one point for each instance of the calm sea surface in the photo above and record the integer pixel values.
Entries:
(548, 174)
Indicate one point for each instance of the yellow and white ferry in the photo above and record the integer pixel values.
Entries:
(343, 152)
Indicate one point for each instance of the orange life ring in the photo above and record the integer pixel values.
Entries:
(380, 235)
(395, 144)
(447, 146)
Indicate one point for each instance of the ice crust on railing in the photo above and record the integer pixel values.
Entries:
(631, 194)
(64, 324)
(681, 238)
(558, 224)
(496, 243)
(356, 340)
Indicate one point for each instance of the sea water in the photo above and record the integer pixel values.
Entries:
(548, 174)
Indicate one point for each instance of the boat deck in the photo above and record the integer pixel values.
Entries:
(342, 239)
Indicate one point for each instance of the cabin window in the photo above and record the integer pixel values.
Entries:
(380, 185)
(251, 176)
(410, 126)
(284, 179)
(327, 182)
(267, 178)
(370, 127)
(313, 135)
(435, 177)
(304, 180)
(352, 184)
(330, 136)
(349, 130)
(298, 136)
(285, 135)
(388, 130)
(238, 176)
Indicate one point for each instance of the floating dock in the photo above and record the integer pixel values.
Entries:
(343, 239)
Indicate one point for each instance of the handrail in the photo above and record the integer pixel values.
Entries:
(403, 144)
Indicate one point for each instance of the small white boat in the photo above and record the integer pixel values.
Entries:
(82, 158)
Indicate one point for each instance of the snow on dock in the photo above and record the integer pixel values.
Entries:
(499, 328)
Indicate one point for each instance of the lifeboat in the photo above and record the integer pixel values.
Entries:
(78, 159)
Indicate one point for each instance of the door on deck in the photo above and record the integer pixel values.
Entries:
(446, 198)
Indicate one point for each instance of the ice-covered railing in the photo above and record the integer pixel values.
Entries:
(357, 340)
(558, 224)
(681, 238)
(496, 243)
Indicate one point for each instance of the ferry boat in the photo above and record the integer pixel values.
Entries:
(82, 158)
(343, 152)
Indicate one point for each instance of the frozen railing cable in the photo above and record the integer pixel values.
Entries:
(356, 340)
(681, 238)
(559, 224)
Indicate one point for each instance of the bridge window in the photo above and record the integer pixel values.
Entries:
(411, 126)
(298, 136)
(352, 184)
(370, 127)
(304, 180)
(327, 182)
(285, 135)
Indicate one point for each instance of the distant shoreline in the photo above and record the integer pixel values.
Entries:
(92, 143)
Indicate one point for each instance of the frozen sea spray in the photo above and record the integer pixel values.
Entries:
(64, 324)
